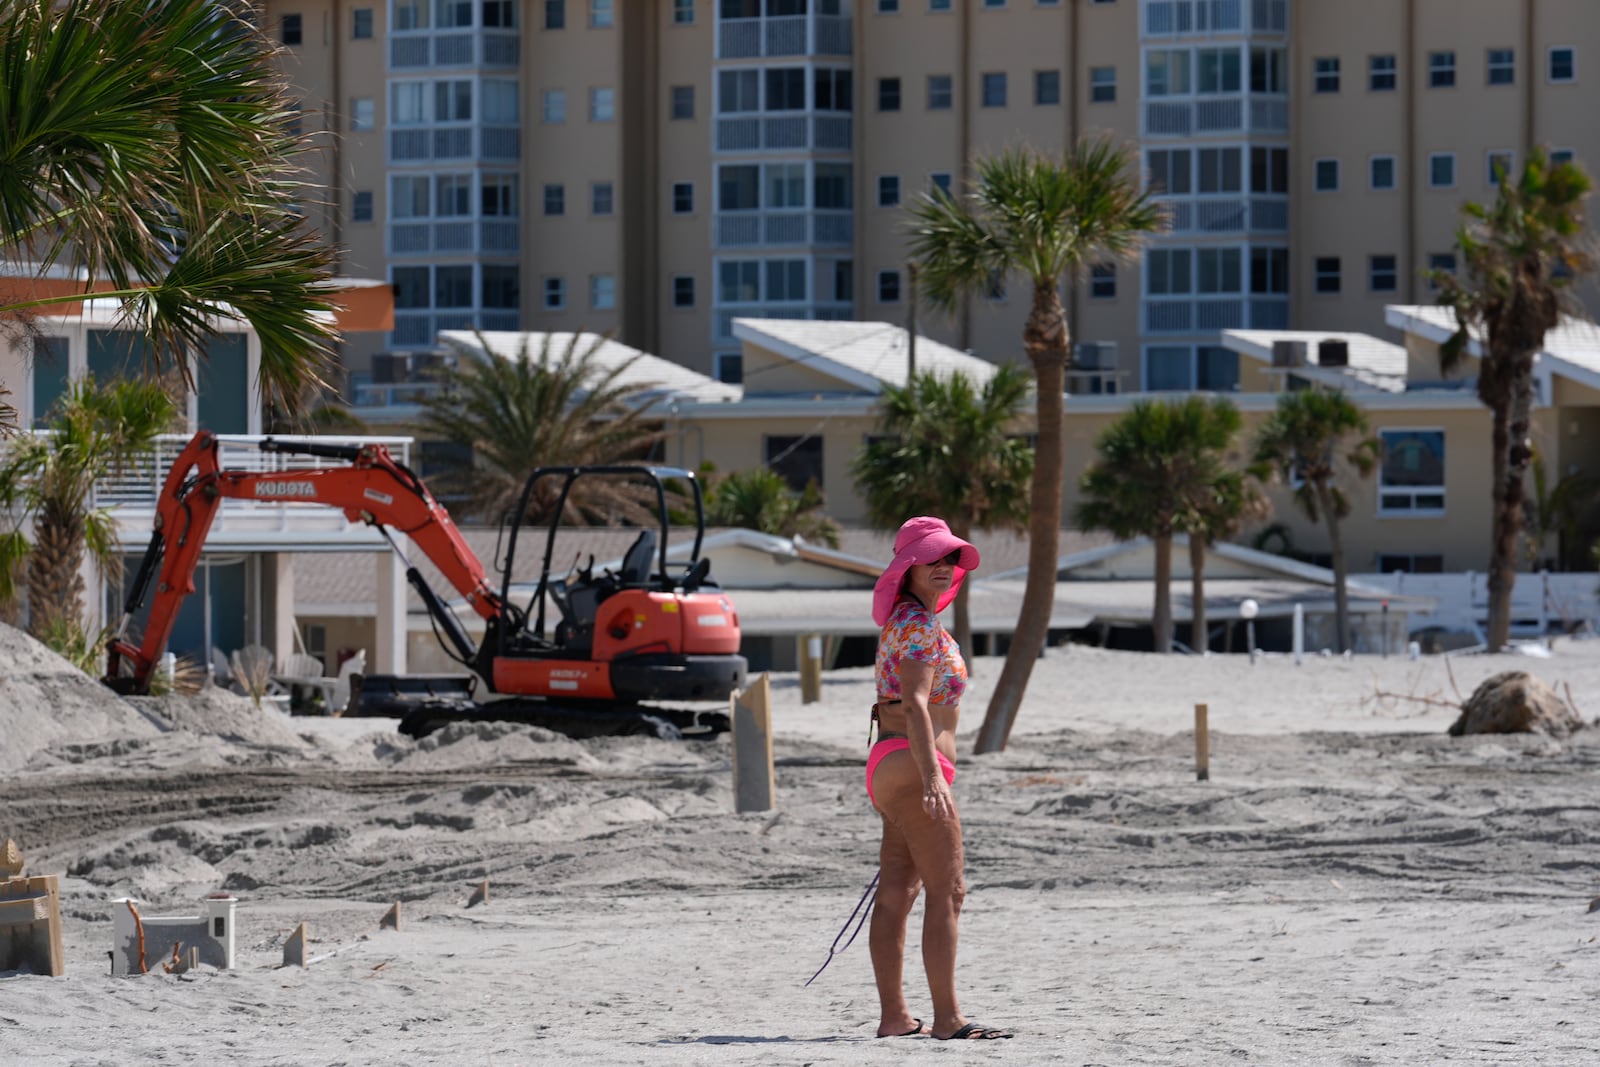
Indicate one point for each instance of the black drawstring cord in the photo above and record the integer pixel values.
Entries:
(834, 949)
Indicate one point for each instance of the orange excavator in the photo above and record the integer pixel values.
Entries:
(627, 644)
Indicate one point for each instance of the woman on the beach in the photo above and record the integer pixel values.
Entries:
(920, 676)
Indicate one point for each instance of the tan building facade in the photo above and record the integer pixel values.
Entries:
(660, 167)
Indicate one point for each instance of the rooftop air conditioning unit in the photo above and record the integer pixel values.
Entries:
(389, 368)
(1288, 353)
(1333, 353)
(1095, 356)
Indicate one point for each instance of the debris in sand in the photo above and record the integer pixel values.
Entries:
(1515, 702)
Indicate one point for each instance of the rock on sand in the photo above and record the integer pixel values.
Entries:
(1515, 702)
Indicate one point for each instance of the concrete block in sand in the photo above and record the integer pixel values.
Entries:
(1515, 702)
(44, 701)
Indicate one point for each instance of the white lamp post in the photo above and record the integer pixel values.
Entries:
(1248, 610)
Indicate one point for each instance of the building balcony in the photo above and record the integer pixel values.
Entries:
(1204, 18)
(495, 49)
(777, 229)
(1228, 214)
(455, 236)
(783, 35)
(1188, 117)
(1208, 314)
(430, 144)
(786, 131)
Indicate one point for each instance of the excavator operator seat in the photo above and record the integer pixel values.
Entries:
(635, 569)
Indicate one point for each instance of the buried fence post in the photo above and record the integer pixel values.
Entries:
(294, 949)
(1202, 745)
(753, 781)
(1299, 633)
(810, 668)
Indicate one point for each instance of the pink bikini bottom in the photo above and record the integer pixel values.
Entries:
(901, 744)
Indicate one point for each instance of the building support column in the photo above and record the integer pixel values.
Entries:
(276, 593)
(389, 653)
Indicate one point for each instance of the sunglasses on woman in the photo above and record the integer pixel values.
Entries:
(952, 557)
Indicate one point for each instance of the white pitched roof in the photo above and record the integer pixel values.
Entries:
(862, 354)
(661, 379)
(1375, 365)
(1572, 348)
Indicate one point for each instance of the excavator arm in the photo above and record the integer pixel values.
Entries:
(373, 489)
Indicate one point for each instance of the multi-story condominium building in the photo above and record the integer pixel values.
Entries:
(661, 167)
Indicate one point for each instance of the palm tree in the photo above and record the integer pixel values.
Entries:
(144, 146)
(1230, 501)
(1043, 219)
(1306, 441)
(557, 408)
(945, 448)
(762, 499)
(1156, 475)
(1519, 260)
(95, 430)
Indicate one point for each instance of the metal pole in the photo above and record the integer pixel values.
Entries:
(1385, 629)
(911, 323)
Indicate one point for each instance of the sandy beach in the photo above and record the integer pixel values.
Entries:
(1352, 886)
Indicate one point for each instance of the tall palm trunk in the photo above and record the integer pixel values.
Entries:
(1162, 624)
(1341, 594)
(1512, 454)
(1045, 338)
(55, 571)
(1197, 580)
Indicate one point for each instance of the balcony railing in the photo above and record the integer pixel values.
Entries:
(784, 131)
(743, 229)
(391, 394)
(1208, 314)
(1188, 117)
(1228, 214)
(425, 49)
(455, 235)
(1181, 18)
(783, 35)
(426, 144)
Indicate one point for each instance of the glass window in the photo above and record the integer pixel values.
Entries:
(940, 180)
(1167, 72)
(738, 282)
(501, 286)
(452, 101)
(555, 106)
(1046, 87)
(831, 187)
(1381, 172)
(1502, 66)
(454, 13)
(1168, 271)
(888, 7)
(940, 93)
(1103, 281)
(601, 199)
(452, 286)
(555, 294)
(1383, 274)
(1326, 77)
(1563, 65)
(888, 94)
(1444, 262)
(291, 31)
(601, 16)
(683, 13)
(363, 113)
(500, 102)
(786, 185)
(408, 103)
(1269, 170)
(682, 198)
(1219, 270)
(361, 206)
(410, 14)
(1381, 75)
(831, 89)
(1220, 170)
(603, 292)
(1441, 70)
(602, 105)
(453, 195)
(499, 196)
(938, 5)
(555, 14)
(411, 287)
(994, 89)
(888, 190)
(786, 89)
(1562, 155)
(888, 287)
(1411, 476)
(1500, 164)
(728, 367)
(798, 459)
(1169, 171)
(555, 199)
(1442, 170)
(682, 102)
(1168, 368)
(1217, 369)
(739, 187)
(1269, 70)
(1218, 71)
(1269, 270)
(500, 14)
(1327, 175)
(683, 290)
(361, 24)
(786, 280)
(738, 91)
(410, 196)
(1326, 274)
(844, 280)
(1102, 85)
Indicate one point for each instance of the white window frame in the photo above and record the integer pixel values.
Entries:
(694, 296)
(561, 292)
(553, 102)
(602, 14)
(947, 184)
(1317, 275)
(607, 94)
(1096, 85)
(899, 191)
(1454, 175)
(1394, 173)
(1562, 155)
(1550, 64)
(360, 123)
(1489, 67)
(1316, 177)
(719, 358)
(679, 9)
(1337, 74)
(599, 301)
(672, 194)
(1440, 68)
(1393, 72)
(1372, 273)
(877, 286)
(1488, 165)
(1415, 491)
(1097, 275)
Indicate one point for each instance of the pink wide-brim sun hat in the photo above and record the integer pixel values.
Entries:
(921, 540)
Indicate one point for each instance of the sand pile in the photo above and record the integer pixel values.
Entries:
(44, 700)
(221, 713)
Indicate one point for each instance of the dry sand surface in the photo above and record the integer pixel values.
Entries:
(1351, 887)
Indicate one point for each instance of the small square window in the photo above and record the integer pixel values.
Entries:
(1381, 74)
(938, 5)
(888, 287)
(994, 288)
(290, 30)
(363, 113)
(940, 92)
(683, 12)
(361, 24)
(1382, 274)
(1443, 262)
(994, 3)
(602, 105)
(888, 94)
(555, 294)
(361, 206)
(940, 180)
(683, 198)
(1326, 273)
(1327, 175)
(1103, 281)
(728, 367)
(682, 102)
(601, 16)
(1441, 70)
(1562, 155)
(555, 14)
(1442, 170)
(994, 89)
(1502, 66)
(1563, 65)
(603, 292)
(555, 199)
(602, 199)
(1046, 88)
(888, 7)
(1326, 79)
(683, 290)
(888, 190)
(1381, 172)
(555, 106)
(1102, 85)
(1499, 165)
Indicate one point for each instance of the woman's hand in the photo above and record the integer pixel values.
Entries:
(937, 799)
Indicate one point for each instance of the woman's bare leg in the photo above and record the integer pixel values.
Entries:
(934, 847)
(898, 886)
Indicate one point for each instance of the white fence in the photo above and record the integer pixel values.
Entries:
(1541, 603)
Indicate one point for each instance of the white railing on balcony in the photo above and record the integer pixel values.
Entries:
(423, 144)
(391, 394)
(455, 235)
(803, 226)
(1269, 313)
(833, 35)
(1193, 315)
(1170, 18)
(784, 35)
(1187, 117)
(472, 48)
(794, 130)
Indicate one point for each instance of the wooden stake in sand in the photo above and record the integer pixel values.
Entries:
(1202, 745)
(391, 918)
(810, 668)
(754, 785)
(480, 894)
(294, 949)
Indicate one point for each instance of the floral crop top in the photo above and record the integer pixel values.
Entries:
(913, 632)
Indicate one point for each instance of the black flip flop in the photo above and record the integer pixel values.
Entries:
(975, 1032)
(913, 1032)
